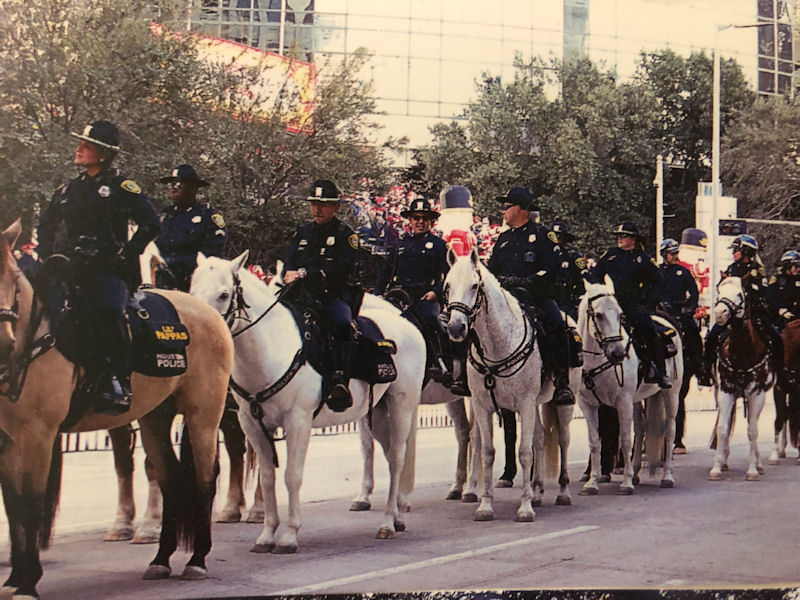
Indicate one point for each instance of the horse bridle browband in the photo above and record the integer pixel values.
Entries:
(601, 339)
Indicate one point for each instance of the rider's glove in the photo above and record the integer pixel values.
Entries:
(786, 314)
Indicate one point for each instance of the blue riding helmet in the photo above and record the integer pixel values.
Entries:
(668, 246)
(790, 258)
(744, 243)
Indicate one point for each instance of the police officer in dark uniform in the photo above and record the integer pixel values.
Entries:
(525, 260)
(745, 262)
(324, 256)
(187, 227)
(87, 221)
(418, 265)
(569, 282)
(785, 290)
(636, 281)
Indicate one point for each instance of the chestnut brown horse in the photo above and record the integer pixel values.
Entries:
(30, 449)
(787, 401)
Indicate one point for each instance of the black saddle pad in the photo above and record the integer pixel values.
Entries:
(159, 337)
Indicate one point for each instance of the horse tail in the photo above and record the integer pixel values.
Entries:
(52, 494)
(408, 475)
(190, 501)
(655, 431)
(552, 465)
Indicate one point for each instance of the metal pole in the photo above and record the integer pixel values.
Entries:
(282, 30)
(715, 168)
(659, 183)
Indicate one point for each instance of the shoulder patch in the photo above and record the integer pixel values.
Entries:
(353, 241)
(653, 260)
(131, 186)
(551, 235)
(772, 279)
(580, 262)
(218, 220)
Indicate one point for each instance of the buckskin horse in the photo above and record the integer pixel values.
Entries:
(275, 386)
(30, 445)
(743, 370)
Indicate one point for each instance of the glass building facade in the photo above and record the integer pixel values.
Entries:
(428, 54)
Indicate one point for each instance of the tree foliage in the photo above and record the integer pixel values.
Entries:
(65, 64)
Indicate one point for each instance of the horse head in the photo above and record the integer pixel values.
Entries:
(218, 282)
(730, 300)
(9, 276)
(602, 316)
(463, 292)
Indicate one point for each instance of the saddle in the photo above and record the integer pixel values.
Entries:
(372, 361)
(574, 340)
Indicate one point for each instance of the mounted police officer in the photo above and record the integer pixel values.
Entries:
(324, 255)
(636, 284)
(785, 290)
(569, 282)
(418, 266)
(746, 265)
(87, 221)
(525, 260)
(187, 227)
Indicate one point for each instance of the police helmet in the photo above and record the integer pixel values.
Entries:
(101, 133)
(668, 246)
(627, 228)
(746, 244)
(790, 258)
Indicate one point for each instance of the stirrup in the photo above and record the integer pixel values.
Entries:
(339, 398)
(460, 387)
(563, 396)
(115, 400)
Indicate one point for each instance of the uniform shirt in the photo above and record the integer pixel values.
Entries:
(99, 208)
(634, 274)
(187, 230)
(678, 289)
(419, 264)
(527, 256)
(569, 282)
(329, 254)
(785, 291)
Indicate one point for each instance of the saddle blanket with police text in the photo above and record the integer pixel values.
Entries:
(159, 338)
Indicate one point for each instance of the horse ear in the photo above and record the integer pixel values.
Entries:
(722, 275)
(12, 232)
(474, 257)
(201, 258)
(609, 283)
(451, 256)
(239, 262)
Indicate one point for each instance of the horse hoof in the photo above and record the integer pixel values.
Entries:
(157, 572)
(255, 516)
(285, 549)
(667, 483)
(229, 517)
(193, 573)
(604, 479)
(760, 469)
(781, 453)
(453, 495)
(773, 461)
(399, 525)
(385, 533)
(752, 477)
(121, 534)
(537, 501)
(562, 500)
(589, 491)
(146, 537)
(404, 507)
(469, 497)
(262, 548)
(715, 476)
(725, 467)
(360, 505)
(484, 515)
(625, 490)
(525, 517)
(504, 483)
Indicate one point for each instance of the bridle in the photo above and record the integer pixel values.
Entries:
(598, 334)
(468, 311)
(736, 309)
(237, 307)
(604, 341)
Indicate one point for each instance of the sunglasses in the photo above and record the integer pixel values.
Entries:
(507, 205)
(175, 185)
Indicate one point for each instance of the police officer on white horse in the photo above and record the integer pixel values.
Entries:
(187, 227)
(525, 260)
(87, 221)
(323, 255)
(636, 285)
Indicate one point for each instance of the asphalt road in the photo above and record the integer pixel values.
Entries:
(724, 534)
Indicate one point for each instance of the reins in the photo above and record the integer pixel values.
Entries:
(590, 375)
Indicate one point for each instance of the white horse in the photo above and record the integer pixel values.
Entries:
(505, 371)
(743, 371)
(284, 391)
(610, 368)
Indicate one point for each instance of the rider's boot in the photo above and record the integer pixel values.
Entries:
(460, 386)
(339, 398)
(562, 395)
(115, 394)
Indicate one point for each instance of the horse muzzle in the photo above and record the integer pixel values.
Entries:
(721, 314)
(615, 354)
(457, 329)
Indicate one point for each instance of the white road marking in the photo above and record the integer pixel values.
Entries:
(326, 585)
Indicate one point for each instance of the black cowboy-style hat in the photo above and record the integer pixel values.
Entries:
(560, 229)
(420, 205)
(184, 173)
(102, 133)
(324, 191)
(626, 228)
(518, 196)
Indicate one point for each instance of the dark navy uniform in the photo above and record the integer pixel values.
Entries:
(786, 291)
(569, 282)
(185, 231)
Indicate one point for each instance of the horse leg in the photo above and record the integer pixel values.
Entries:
(671, 402)
(122, 445)
(483, 417)
(726, 405)
(298, 436)
(625, 412)
(781, 415)
(255, 514)
(149, 529)
(590, 414)
(475, 465)
(565, 414)
(458, 414)
(639, 441)
(235, 446)
(529, 421)
(381, 431)
(362, 501)
(538, 458)
(756, 404)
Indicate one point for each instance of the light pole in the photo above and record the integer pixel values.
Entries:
(715, 183)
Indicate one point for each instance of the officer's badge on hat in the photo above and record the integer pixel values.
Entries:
(100, 133)
(324, 191)
(420, 205)
(626, 228)
(184, 173)
(518, 196)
